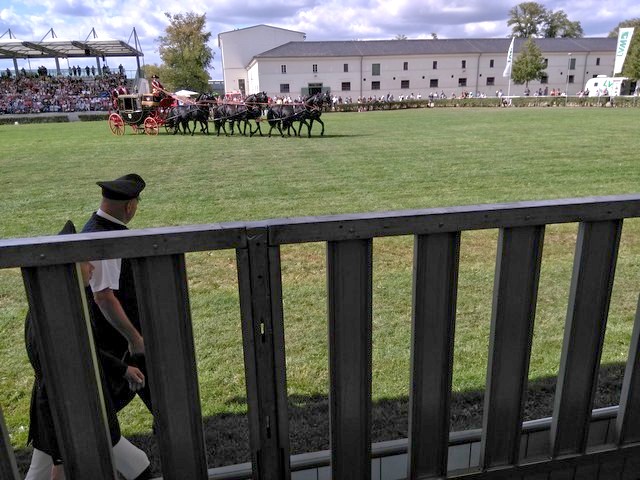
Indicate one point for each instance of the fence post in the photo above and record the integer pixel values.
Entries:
(60, 319)
(8, 466)
(165, 317)
(350, 322)
(259, 282)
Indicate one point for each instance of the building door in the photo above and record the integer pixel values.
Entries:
(241, 86)
(315, 88)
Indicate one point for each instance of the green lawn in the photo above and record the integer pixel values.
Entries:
(370, 161)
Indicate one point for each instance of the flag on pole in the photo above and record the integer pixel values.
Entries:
(507, 69)
(624, 39)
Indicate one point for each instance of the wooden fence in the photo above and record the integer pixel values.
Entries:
(59, 311)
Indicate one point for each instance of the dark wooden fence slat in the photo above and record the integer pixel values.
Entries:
(52, 250)
(259, 280)
(435, 283)
(452, 219)
(514, 305)
(628, 420)
(349, 310)
(61, 323)
(8, 465)
(165, 317)
(589, 297)
(611, 470)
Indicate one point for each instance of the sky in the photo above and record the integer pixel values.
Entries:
(321, 20)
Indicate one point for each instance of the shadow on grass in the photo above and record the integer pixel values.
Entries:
(227, 436)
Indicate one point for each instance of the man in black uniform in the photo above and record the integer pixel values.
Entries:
(111, 295)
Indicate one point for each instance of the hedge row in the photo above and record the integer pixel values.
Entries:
(355, 107)
(494, 102)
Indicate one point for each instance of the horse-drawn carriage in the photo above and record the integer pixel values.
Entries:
(144, 113)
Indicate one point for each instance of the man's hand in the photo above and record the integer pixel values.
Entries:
(135, 378)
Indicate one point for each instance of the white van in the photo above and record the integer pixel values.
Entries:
(607, 86)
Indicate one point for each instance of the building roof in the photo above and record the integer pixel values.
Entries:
(262, 25)
(357, 48)
(13, 48)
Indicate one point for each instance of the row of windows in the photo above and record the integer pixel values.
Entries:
(375, 67)
(433, 83)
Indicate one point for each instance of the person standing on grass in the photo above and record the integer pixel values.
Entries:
(46, 460)
(111, 295)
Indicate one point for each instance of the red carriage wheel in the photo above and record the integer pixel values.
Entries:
(150, 126)
(116, 124)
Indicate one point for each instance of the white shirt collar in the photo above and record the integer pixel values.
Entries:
(102, 214)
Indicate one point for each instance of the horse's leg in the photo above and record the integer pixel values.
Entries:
(321, 123)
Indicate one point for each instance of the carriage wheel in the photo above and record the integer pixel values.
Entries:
(116, 124)
(150, 126)
(136, 128)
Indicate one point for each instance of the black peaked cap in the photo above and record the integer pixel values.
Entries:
(124, 188)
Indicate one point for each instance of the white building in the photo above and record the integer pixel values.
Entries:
(238, 47)
(400, 67)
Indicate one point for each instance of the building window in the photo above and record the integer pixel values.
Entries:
(572, 64)
(597, 61)
(433, 83)
(462, 82)
(346, 86)
(345, 67)
(405, 66)
(404, 83)
(375, 69)
(375, 85)
(544, 79)
(435, 64)
(546, 62)
(571, 78)
(284, 88)
(491, 81)
(315, 68)
(283, 69)
(491, 63)
(464, 64)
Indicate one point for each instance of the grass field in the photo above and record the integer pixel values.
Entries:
(365, 162)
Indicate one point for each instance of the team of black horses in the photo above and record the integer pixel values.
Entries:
(286, 118)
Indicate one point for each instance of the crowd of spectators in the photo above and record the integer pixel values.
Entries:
(41, 92)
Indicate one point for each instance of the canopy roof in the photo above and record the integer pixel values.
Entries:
(12, 48)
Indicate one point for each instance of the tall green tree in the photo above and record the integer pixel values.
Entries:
(529, 64)
(631, 66)
(531, 19)
(525, 19)
(185, 52)
(557, 24)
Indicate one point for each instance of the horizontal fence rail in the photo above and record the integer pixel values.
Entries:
(158, 263)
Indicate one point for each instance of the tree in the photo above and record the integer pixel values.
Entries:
(401, 36)
(185, 53)
(434, 36)
(557, 24)
(526, 18)
(531, 19)
(529, 65)
(631, 66)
